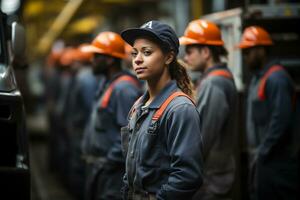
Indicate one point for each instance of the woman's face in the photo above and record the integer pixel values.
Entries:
(148, 60)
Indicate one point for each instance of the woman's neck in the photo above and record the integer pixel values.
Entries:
(155, 86)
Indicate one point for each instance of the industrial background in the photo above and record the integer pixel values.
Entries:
(56, 24)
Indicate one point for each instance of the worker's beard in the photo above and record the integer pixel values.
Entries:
(100, 68)
(255, 65)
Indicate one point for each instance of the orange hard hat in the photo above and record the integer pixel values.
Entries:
(202, 32)
(54, 57)
(255, 36)
(81, 55)
(108, 43)
(67, 56)
(128, 50)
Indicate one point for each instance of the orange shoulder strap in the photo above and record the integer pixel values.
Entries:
(220, 72)
(163, 107)
(262, 84)
(108, 92)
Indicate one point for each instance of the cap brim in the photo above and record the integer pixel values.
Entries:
(241, 46)
(130, 35)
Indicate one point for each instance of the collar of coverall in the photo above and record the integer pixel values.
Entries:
(161, 97)
(270, 63)
(216, 67)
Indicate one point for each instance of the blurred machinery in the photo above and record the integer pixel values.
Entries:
(60, 23)
(14, 153)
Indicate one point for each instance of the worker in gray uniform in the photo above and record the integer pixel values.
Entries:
(79, 107)
(216, 101)
(272, 120)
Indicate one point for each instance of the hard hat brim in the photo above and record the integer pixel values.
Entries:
(245, 45)
(93, 49)
(189, 41)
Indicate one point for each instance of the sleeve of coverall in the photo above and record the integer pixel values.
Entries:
(87, 90)
(213, 116)
(184, 147)
(279, 95)
(124, 98)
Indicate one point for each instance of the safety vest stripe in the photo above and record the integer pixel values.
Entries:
(262, 85)
(108, 92)
(163, 107)
(221, 72)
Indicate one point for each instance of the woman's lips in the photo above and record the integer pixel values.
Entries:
(140, 70)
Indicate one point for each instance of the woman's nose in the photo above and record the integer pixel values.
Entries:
(138, 59)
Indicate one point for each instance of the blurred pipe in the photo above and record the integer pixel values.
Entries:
(218, 5)
(181, 15)
(197, 8)
(59, 24)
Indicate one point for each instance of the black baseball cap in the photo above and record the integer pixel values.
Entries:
(157, 30)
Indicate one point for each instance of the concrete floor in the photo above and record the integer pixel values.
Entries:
(45, 184)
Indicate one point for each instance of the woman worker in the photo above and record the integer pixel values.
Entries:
(162, 140)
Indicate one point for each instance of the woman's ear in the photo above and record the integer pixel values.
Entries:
(170, 57)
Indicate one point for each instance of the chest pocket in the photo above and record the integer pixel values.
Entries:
(260, 112)
(103, 120)
(150, 151)
(125, 138)
(152, 139)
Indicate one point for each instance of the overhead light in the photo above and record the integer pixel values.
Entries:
(10, 6)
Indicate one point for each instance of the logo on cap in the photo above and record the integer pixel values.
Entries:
(147, 25)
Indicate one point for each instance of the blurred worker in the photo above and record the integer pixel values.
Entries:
(67, 78)
(102, 139)
(272, 142)
(216, 102)
(164, 159)
(84, 88)
(82, 93)
(52, 84)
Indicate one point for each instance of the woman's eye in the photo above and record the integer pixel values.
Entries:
(133, 54)
(147, 53)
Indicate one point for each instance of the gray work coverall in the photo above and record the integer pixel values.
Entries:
(102, 141)
(217, 104)
(272, 139)
(164, 159)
